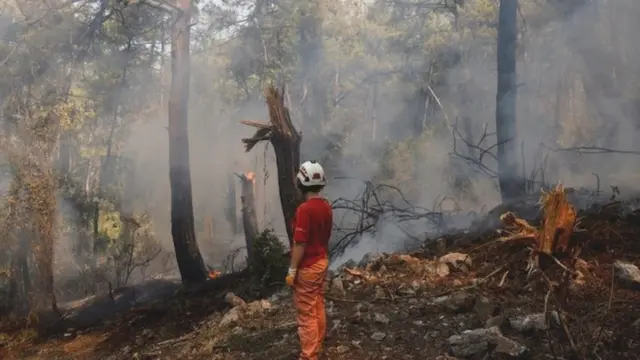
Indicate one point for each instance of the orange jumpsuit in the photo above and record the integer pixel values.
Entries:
(312, 227)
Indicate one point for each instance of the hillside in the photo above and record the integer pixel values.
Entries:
(468, 296)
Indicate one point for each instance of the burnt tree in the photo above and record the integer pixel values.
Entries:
(285, 140)
(188, 255)
(249, 217)
(511, 186)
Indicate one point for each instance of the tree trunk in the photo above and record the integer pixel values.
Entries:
(249, 217)
(511, 186)
(42, 204)
(188, 255)
(231, 210)
(310, 48)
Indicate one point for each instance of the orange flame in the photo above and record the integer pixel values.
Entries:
(250, 176)
(214, 274)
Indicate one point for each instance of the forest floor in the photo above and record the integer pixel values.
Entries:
(470, 297)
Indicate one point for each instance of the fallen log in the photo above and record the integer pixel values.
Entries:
(285, 140)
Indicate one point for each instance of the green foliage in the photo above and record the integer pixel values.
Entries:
(269, 264)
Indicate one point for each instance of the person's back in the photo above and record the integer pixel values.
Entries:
(309, 259)
(313, 223)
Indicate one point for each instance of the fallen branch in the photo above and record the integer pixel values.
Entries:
(594, 150)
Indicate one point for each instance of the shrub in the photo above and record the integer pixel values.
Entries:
(269, 264)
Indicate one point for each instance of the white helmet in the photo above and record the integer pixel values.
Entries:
(311, 173)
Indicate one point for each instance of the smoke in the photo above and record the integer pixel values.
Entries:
(399, 81)
(576, 71)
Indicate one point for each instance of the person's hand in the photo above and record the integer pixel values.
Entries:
(291, 276)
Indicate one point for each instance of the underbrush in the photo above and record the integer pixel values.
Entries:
(269, 265)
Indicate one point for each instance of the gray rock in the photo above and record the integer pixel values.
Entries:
(472, 342)
(380, 318)
(456, 302)
(484, 308)
(378, 336)
(627, 273)
(534, 321)
(496, 321)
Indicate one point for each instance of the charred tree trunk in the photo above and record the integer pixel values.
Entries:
(285, 140)
(249, 217)
(188, 255)
(510, 185)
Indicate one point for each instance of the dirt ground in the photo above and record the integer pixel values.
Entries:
(468, 294)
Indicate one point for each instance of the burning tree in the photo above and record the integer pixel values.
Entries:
(249, 217)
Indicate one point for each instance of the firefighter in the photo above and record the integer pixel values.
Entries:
(309, 259)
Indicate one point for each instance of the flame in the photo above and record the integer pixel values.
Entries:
(214, 274)
(250, 176)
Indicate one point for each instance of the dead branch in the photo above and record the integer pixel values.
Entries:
(594, 150)
(371, 207)
(479, 152)
(483, 150)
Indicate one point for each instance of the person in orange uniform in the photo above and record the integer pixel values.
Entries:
(309, 259)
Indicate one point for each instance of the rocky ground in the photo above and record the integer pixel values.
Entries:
(472, 296)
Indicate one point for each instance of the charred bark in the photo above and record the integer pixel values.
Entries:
(249, 217)
(188, 255)
(285, 140)
(511, 187)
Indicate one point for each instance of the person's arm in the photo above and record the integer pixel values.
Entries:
(300, 237)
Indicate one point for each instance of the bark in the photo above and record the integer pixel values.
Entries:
(511, 186)
(285, 140)
(249, 217)
(188, 255)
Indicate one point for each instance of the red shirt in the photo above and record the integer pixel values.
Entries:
(312, 226)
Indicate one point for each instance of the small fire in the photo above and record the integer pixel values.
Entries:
(251, 176)
(214, 274)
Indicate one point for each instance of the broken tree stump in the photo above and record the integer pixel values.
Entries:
(285, 140)
(559, 219)
(249, 217)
